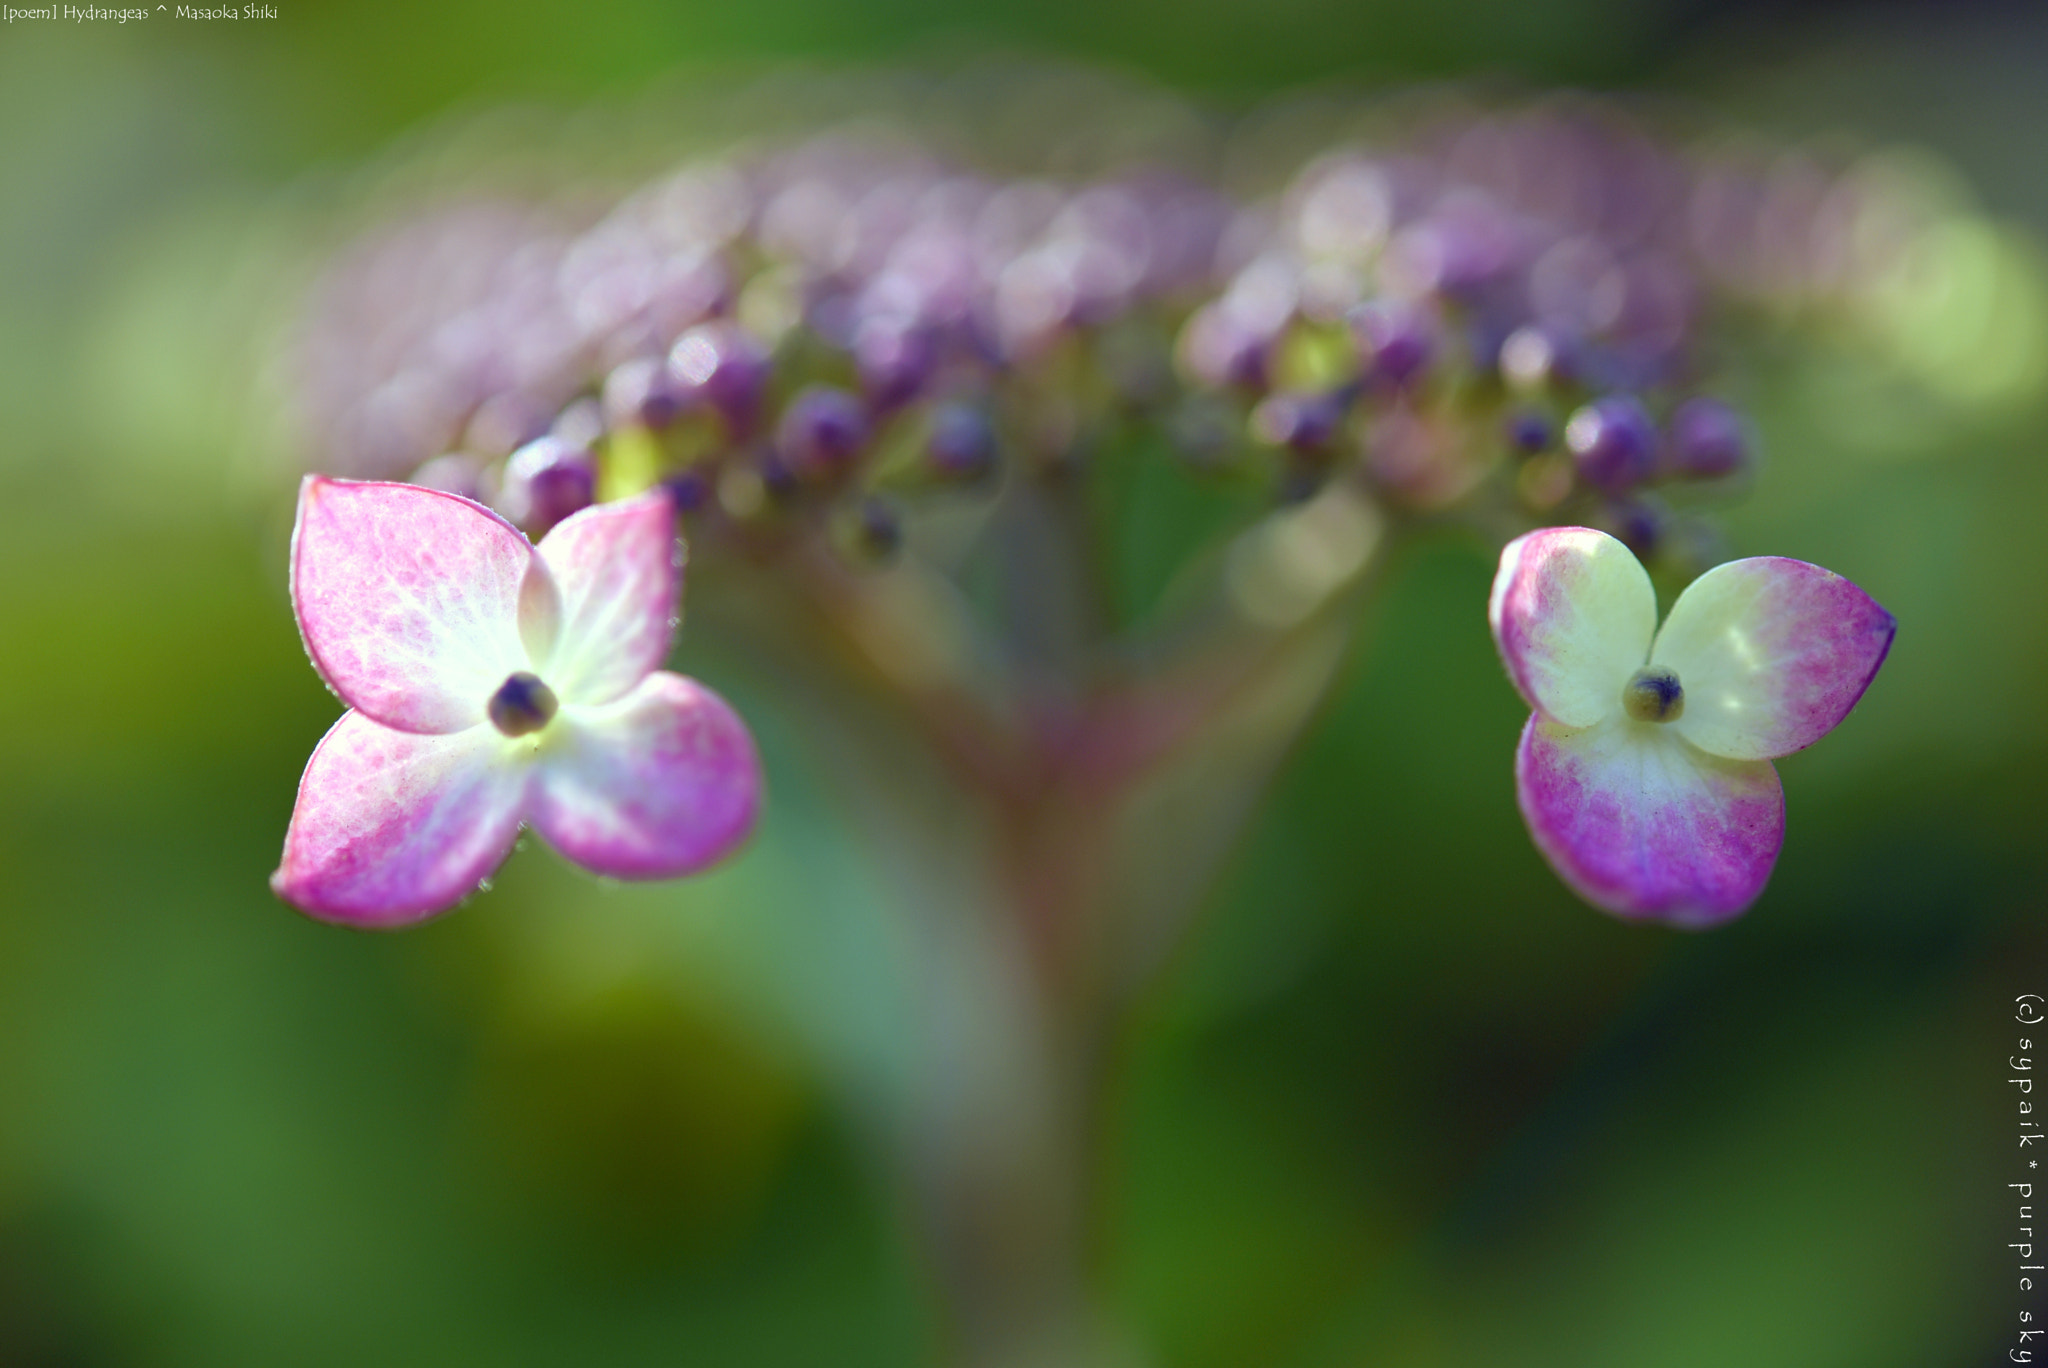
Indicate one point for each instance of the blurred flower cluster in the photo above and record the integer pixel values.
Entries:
(1512, 311)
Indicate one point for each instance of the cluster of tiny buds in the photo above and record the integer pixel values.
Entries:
(1508, 306)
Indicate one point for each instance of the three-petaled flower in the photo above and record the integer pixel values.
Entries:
(493, 683)
(1645, 774)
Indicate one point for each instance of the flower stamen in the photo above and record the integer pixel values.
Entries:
(522, 704)
(1653, 694)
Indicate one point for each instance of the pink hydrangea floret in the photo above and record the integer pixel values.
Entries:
(493, 683)
(1645, 772)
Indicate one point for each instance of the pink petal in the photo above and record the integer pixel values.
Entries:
(619, 567)
(662, 782)
(411, 601)
(1572, 612)
(1772, 654)
(1644, 825)
(395, 826)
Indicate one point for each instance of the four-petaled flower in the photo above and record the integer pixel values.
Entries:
(1645, 774)
(492, 682)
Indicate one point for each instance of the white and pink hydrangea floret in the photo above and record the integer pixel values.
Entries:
(1645, 772)
(493, 683)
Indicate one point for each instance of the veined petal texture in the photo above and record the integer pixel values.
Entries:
(1647, 826)
(393, 826)
(659, 783)
(1773, 653)
(619, 568)
(1573, 613)
(410, 600)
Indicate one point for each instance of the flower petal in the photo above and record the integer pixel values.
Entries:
(659, 783)
(394, 826)
(1772, 654)
(1644, 825)
(620, 570)
(1573, 613)
(410, 600)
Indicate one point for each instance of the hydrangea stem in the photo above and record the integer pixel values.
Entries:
(1089, 897)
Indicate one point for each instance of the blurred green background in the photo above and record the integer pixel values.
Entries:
(1400, 1101)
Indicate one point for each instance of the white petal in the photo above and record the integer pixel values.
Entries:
(412, 602)
(394, 826)
(1772, 653)
(659, 783)
(1572, 612)
(619, 567)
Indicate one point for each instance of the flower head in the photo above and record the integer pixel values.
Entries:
(1645, 774)
(492, 682)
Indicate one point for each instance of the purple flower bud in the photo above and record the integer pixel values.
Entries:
(722, 364)
(1707, 439)
(1468, 241)
(1638, 525)
(1613, 442)
(1303, 422)
(895, 359)
(963, 442)
(690, 490)
(778, 477)
(1218, 349)
(1529, 432)
(823, 428)
(1396, 339)
(545, 481)
(642, 391)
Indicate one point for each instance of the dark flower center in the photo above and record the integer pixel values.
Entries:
(1653, 694)
(522, 704)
